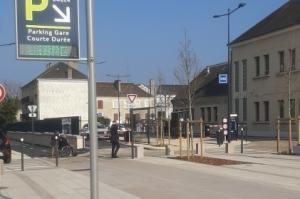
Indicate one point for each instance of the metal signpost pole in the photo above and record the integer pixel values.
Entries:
(92, 101)
(22, 154)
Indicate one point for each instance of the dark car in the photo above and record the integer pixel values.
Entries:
(5, 147)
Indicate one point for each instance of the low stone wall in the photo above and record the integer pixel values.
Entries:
(44, 139)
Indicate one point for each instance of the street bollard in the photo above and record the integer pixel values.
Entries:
(132, 145)
(22, 154)
(197, 148)
(83, 141)
(56, 151)
(180, 140)
(242, 140)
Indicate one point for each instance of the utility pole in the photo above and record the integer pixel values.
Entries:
(117, 78)
(92, 101)
(290, 144)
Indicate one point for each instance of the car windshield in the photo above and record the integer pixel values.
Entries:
(101, 126)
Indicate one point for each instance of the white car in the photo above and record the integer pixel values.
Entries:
(123, 129)
(102, 131)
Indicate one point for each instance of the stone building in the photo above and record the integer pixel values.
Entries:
(265, 71)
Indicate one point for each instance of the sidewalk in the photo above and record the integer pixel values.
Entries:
(53, 183)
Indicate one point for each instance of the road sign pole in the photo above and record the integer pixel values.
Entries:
(32, 125)
(92, 101)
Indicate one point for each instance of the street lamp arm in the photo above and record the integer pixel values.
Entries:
(222, 15)
(230, 11)
(8, 44)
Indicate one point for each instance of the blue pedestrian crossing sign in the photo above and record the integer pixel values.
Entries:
(223, 78)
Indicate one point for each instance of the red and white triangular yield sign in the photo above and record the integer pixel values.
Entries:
(131, 97)
(2, 93)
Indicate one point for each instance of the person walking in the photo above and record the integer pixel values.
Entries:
(114, 138)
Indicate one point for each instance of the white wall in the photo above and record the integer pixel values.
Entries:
(62, 98)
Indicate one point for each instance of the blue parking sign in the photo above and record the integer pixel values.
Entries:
(223, 79)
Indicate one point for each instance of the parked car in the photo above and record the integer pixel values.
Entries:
(5, 147)
(123, 129)
(102, 131)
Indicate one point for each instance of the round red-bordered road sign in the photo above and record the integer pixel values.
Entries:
(2, 93)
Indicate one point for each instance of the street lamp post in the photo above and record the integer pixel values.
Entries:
(229, 12)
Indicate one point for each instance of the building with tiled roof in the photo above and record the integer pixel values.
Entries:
(108, 103)
(262, 59)
(59, 91)
(62, 91)
(209, 97)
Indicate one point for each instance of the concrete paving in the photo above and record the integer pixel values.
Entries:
(53, 183)
(265, 175)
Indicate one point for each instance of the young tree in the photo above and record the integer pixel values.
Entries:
(186, 72)
(13, 89)
(8, 111)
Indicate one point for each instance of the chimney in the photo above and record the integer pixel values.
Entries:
(72, 64)
(152, 87)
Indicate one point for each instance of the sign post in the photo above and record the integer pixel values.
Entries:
(92, 101)
(32, 114)
(47, 29)
(2, 93)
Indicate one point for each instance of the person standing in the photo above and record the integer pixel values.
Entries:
(114, 138)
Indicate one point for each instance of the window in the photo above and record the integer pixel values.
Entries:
(237, 104)
(266, 109)
(257, 66)
(127, 118)
(146, 103)
(116, 116)
(100, 104)
(209, 114)
(115, 104)
(281, 61)
(216, 113)
(292, 107)
(244, 75)
(236, 76)
(244, 109)
(267, 64)
(281, 108)
(203, 113)
(256, 104)
(293, 58)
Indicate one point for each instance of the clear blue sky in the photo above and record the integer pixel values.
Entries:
(141, 37)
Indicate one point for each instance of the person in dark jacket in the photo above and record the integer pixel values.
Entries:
(114, 138)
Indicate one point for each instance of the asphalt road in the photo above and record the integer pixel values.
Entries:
(156, 177)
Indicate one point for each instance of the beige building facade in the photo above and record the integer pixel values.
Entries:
(266, 72)
(210, 96)
(108, 102)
